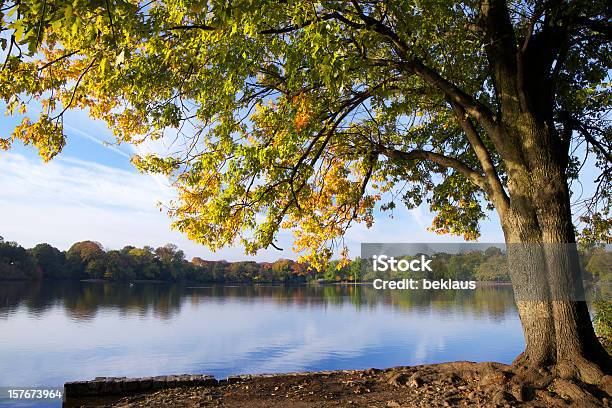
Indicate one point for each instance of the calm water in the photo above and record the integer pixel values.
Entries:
(51, 333)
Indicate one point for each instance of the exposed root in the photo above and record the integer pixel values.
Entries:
(579, 368)
(534, 374)
(576, 379)
(579, 395)
(520, 360)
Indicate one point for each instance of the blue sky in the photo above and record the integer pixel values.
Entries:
(91, 191)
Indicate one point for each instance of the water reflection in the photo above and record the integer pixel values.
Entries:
(52, 332)
(83, 300)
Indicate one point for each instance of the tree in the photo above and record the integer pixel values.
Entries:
(282, 270)
(172, 261)
(86, 258)
(16, 263)
(355, 269)
(493, 268)
(51, 260)
(144, 262)
(600, 264)
(462, 266)
(203, 269)
(118, 266)
(333, 271)
(309, 115)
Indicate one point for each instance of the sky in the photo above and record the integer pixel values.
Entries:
(92, 192)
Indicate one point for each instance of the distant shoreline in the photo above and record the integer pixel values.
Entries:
(287, 284)
(211, 284)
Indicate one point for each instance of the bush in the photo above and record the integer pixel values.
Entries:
(603, 323)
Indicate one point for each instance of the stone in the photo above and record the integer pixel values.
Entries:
(398, 379)
(76, 388)
(372, 371)
(500, 397)
(146, 383)
(451, 402)
(111, 386)
(606, 384)
(415, 381)
(130, 385)
(452, 378)
(522, 392)
(493, 378)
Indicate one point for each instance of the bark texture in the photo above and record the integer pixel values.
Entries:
(543, 258)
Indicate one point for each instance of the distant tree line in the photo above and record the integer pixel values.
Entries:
(89, 260)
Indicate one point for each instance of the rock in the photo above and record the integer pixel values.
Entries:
(372, 371)
(452, 378)
(493, 378)
(450, 393)
(451, 402)
(522, 392)
(393, 404)
(415, 381)
(234, 379)
(500, 397)
(606, 384)
(399, 379)
(361, 390)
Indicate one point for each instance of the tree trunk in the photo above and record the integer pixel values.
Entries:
(543, 260)
(579, 353)
(556, 322)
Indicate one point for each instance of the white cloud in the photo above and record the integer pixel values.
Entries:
(106, 143)
(69, 200)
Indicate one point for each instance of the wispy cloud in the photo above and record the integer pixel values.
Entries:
(96, 139)
(69, 200)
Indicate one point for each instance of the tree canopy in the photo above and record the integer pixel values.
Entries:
(312, 115)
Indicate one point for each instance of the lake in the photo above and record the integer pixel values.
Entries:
(53, 332)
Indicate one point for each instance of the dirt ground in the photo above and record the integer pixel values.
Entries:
(460, 384)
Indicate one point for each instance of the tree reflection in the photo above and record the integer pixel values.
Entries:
(84, 300)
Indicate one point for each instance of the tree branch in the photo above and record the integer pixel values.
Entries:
(414, 65)
(76, 86)
(291, 28)
(193, 27)
(584, 131)
(445, 161)
(281, 30)
(67, 55)
(499, 196)
(501, 49)
(473, 107)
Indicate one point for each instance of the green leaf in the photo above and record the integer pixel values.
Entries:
(120, 58)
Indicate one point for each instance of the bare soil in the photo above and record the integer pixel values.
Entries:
(460, 384)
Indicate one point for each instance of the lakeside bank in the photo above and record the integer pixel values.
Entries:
(437, 385)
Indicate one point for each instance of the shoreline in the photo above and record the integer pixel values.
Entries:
(230, 284)
(459, 383)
